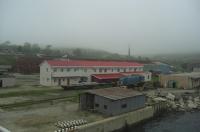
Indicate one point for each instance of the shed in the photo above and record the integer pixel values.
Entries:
(181, 80)
(112, 101)
(7, 81)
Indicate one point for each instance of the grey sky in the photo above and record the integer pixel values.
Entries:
(149, 26)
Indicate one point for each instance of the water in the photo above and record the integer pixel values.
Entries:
(176, 122)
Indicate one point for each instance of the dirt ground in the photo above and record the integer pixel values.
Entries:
(41, 118)
(38, 117)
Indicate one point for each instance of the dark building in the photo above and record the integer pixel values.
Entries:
(112, 101)
(192, 67)
(158, 67)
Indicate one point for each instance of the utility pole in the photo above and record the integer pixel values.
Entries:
(129, 51)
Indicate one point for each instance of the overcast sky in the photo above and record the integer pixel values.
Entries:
(148, 26)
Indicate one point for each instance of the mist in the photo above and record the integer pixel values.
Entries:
(148, 27)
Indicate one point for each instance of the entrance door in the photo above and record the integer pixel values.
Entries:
(59, 81)
(1, 83)
(68, 81)
(172, 84)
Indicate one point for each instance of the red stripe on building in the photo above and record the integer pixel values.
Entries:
(92, 63)
(108, 76)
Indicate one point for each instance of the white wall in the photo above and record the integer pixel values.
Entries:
(49, 76)
(147, 76)
(81, 71)
(45, 74)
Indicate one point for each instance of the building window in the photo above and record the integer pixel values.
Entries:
(148, 77)
(47, 69)
(47, 79)
(61, 69)
(75, 69)
(85, 70)
(96, 105)
(100, 70)
(124, 69)
(68, 69)
(55, 80)
(83, 79)
(124, 105)
(55, 69)
(63, 79)
(130, 69)
(112, 69)
(118, 70)
(135, 69)
(105, 107)
(95, 70)
(105, 70)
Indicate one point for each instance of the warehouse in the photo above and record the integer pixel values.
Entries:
(112, 101)
(182, 80)
(70, 72)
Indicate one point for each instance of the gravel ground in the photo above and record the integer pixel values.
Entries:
(41, 118)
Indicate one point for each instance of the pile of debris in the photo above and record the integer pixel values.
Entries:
(69, 126)
(183, 102)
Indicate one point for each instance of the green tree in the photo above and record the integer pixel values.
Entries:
(35, 48)
(77, 52)
(27, 48)
(48, 50)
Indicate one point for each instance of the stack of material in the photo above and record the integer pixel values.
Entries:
(67, 126)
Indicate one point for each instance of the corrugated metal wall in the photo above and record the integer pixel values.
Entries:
(116, 107)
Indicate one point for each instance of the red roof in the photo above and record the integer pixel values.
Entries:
(91, 63)
(114, 75)
(131, 73)
(108, 76)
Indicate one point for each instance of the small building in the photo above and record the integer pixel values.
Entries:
(6, 80)
(112, 101)
(158, 67)
(182, 80)
(191, 67)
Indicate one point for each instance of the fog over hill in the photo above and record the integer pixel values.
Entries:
(149, 27)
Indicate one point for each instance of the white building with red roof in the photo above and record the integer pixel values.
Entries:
(69, 72)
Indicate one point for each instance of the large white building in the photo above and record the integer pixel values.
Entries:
(68, 72)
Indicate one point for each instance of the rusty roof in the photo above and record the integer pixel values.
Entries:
(115, 93)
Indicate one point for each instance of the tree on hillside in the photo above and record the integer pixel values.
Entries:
(48, 50)
(35, 48)
(27, 48)
(77, 52)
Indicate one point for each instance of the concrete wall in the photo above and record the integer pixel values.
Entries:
(45, 74)
(8, 81)
(118, 122)
(115, 107)
(182, 81)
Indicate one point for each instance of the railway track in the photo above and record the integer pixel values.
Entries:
(32, 102)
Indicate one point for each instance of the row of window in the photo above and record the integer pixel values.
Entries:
(106, 107)
(99, 69)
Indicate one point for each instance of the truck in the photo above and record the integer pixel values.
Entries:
(132, 81)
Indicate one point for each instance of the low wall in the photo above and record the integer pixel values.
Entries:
(118, 122)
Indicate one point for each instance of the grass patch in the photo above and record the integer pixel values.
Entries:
(29, 93)
(35, 120)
